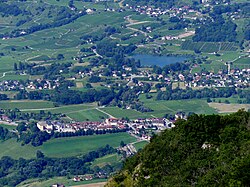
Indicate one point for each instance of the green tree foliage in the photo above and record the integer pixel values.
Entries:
(216, 30)
(210, 150)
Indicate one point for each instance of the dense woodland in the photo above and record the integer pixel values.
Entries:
(210, 150)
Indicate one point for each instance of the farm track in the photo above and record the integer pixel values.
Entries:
(4, 74)
(105, 113)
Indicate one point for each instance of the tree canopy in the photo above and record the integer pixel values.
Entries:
(210, 150)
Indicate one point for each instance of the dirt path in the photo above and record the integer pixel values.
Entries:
(105, 113)
(137, 23)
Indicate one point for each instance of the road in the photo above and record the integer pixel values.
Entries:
(4, 73)
(9, 123)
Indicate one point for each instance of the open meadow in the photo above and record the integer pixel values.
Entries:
(64, 147)
(61, 180)
(162, 107)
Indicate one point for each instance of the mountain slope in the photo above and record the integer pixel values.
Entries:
(208, 150)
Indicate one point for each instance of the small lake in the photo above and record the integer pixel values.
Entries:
(150, 60)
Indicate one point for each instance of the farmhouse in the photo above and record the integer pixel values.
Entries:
(45, 126)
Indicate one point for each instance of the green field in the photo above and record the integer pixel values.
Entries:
(108, 159)
(64, 147)
(122, 113)
(140, 145)
(25, 104)
(209, 47)
(9, 127)
(60, 180)
(87, 115)
(162, 107)
(243, 61)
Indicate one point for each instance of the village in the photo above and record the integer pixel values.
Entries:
(141, 128)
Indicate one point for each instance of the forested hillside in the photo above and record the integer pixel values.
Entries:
(207, 150)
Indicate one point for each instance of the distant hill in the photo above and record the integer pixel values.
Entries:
(207, 150)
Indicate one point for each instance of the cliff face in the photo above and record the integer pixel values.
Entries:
(207, 150)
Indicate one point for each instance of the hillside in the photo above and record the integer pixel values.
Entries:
(207, 150)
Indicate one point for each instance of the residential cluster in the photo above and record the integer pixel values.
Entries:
(238, 78)
(37, 84)
(135, 127)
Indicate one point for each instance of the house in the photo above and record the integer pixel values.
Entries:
(77, 179)
(5, 118)
(112, 121)
(57, 185)
(44, 126)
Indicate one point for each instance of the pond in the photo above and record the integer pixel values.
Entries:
(150, 60)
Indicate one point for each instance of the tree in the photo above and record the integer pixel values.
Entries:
(21, 127)
(122, 144)
(39, 154)
(60, 57)
(15, 67)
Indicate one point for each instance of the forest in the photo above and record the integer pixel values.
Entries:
(204, 150)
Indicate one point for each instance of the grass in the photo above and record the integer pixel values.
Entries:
(162, 107)
(9, 127)
(120, 113)
(54, 180)
(64, 147)
(140, 145)
(108, 159)
(82, 145)
(25, 104)
(14, 77)
(244, 61)
(88, 115)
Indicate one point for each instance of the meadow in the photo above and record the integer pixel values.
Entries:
(87, 115)
(9, 127)
(25, 104)
(161, 107)
(140, 145)
(108, 159)
(64, 147)
(122, 113)
(55, 180)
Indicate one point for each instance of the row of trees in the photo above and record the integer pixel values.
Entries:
(177, 94)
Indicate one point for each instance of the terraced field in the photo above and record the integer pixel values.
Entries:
(209, 47)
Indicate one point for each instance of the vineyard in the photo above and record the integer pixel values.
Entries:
(209, 47)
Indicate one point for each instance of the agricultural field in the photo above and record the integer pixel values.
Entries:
(229, 108)
(11, 76)
(161, 107)
(26, 104)
(245, 61)
(61, 180)
(119, 113)
(108, 159)
(64, 147)
(87, 115)
(214, 66)
(209, 47)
